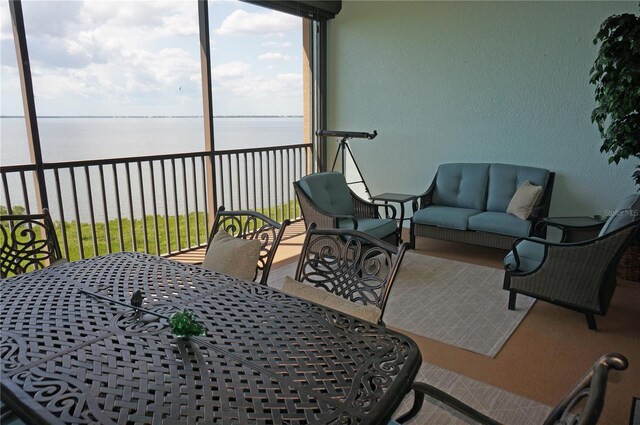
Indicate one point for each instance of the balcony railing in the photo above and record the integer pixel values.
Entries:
(156, 204)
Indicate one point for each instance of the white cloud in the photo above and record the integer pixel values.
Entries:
(113, 57)
(270, 23)
(231, 70)
(272, 56)
(260, 87)
(281, 44)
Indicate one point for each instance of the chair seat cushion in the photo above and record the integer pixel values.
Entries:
(531, 255)
(235, 257)
(370, 313)
(376, 227)
(501, 223)
(450, 217)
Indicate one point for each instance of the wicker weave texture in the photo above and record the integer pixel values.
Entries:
(266, 358)
(492, 240)
(574, 274)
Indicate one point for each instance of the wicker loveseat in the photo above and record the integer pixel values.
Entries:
(467, 202)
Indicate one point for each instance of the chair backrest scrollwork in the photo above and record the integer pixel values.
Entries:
(350, 264)
(249, 225)
(27, 242)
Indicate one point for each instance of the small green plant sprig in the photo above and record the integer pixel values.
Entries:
(184, 324)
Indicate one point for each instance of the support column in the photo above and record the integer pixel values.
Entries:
(28, 102)
(207, 106)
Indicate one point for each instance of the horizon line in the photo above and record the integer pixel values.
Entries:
(155, 116)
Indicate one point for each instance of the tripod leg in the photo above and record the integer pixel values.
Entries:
(353, 158)
(335, 159)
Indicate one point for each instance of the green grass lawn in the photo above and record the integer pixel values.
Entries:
(166, 239)
(164, 235)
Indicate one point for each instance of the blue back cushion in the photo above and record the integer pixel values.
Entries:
(329, 191)
(461, 185)
(627, 211)
(504, 180)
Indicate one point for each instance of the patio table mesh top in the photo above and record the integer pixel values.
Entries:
(69, 357)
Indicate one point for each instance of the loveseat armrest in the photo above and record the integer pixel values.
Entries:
(424, 199)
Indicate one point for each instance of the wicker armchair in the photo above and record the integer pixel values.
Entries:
(582, 406)
(27, 242)
(252, 225)
(348, 264)
(325, 199)
(579, 275)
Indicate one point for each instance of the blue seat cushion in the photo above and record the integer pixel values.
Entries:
(501, 223)
(329, 191)
(530, 253)
(461, 185)
(451, 217)
(627, 211)
(376, 227)
(504, 180)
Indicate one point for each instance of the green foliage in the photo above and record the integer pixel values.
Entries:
(166, 236)
(16, 209)
(616, 75)
(184, 324)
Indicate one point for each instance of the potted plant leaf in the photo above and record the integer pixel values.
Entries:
(184, 324)
(616, 75)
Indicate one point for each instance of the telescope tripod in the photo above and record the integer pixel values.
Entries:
(343, 148)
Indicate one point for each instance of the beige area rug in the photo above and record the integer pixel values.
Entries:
(498, 404)
(457, 303)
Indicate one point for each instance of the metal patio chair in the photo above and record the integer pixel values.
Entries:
(27, 242)
(581, 406)
(252, 225)
(351, 266)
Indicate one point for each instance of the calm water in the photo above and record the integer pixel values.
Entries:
(68, 139)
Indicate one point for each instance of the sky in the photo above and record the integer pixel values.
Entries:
(100, 57)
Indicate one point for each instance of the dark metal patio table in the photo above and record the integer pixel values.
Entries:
(69, 357)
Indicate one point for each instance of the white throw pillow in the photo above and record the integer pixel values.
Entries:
(232, 256)
(523, 201)
(370, 313)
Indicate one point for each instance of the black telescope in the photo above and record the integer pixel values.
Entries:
(347, 134)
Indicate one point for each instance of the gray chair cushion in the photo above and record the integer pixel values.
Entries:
(329, 191)
(462, 185)
(450, 217)
(530, 253)
(501, 223)
(376, 227)
(627, 211)
(504, 180)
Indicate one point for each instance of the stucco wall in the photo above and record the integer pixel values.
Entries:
(474, 82)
